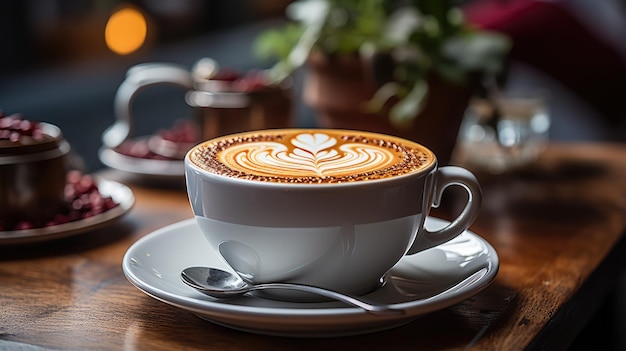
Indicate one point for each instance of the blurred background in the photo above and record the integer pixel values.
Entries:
(60, 33)
(61, 61)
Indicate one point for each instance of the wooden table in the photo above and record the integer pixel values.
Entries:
(558, 229)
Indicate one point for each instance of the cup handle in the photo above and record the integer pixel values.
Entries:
(442, 178)
(137, 78)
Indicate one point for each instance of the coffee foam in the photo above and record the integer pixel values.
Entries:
(310, 156)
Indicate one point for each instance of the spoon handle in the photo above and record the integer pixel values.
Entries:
(351, 300)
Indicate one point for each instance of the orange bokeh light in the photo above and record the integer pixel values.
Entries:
(126, 31)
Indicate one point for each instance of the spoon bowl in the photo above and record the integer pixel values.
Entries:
(218, 283)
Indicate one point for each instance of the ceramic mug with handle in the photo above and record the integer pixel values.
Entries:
(330, 208)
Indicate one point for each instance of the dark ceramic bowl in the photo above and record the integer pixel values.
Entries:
(32, 178)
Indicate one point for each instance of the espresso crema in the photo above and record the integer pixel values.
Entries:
(310, 156)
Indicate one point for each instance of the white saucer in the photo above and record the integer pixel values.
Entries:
(120, 193)
(431, 280)
(142, 166)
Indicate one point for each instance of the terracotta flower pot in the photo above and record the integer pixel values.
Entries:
(338, 87)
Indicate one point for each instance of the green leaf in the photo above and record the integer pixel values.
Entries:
(477, 51)
(404, 112)
(275, 43)
(382, 95)
(451, 72)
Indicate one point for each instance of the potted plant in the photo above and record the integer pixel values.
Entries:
(399, 67)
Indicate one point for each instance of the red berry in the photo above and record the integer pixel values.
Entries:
(73, 176)
(15, 126)
(23, 225)
(227, 75)
(5, 122)
(60, 219)
(109, 203)
(85, 184)
(26, 126)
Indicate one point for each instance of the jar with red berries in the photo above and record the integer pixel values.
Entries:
(33, 168)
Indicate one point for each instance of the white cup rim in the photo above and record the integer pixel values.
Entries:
(312, 186)
(428, 168)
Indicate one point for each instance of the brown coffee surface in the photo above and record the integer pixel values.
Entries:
(310, 156)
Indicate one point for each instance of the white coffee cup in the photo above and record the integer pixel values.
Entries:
(330, 208)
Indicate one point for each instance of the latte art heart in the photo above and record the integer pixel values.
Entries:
(311, 156)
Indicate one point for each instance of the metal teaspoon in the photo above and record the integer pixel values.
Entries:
(222, 284)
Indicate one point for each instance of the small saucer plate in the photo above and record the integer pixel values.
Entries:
(120, 193)
(427, 281)
(142, 166)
